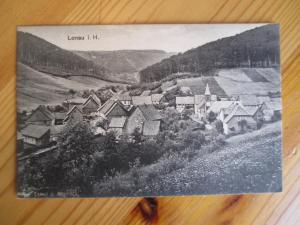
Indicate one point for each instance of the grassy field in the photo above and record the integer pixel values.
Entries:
(248, 81)
(235, 84)
(254, 75)
(198, 84)
(271, 74)
(234, 74)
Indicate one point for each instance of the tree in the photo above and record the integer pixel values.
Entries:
(194, 139)
(72, 92)
(211, 116)
(76, 149)
(219, 126)
(33, 179)
(137, 136)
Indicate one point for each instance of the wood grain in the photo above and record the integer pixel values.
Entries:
(280, 208)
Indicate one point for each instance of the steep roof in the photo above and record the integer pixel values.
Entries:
(156, 97)
(95, 97)
(149, 112)
(151, 128)
(44, 114)
(109, 105)
(237, 111)
(35, 131)
(141, 100)
(60, 115)
(218, 105)
(117, 122)
(249, 99)
(188, 100)
(75, 107)
(96, 100)
(207, 90)
(106, 106)
(251, 109)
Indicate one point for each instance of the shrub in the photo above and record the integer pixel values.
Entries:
(219, 126)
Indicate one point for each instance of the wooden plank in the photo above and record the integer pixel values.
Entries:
(249, 209)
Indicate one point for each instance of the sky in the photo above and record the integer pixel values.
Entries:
(170, 38)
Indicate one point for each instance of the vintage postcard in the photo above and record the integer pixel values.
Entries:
(148, 110)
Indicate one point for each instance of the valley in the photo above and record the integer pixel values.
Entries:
(35, 88)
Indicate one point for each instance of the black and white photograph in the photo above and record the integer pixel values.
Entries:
(148, 110)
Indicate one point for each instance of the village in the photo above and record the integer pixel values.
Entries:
(123, 114)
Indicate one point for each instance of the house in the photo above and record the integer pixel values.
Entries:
(256, 112)
(156, 98)
(238, 120)
(74, 115)
(151, 128)
(117, 125)
(41, 116)
(124, 99)
(197, 103)
(139, 116)
(112, 108)
(36, 135)
(184, 103)
(271, 108)
(91, 105)
(141, 100)
(59, 117)
(217, 106)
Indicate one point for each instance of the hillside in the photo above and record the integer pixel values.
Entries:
(254, 48)
(255, 167)
(124, 61)
(34, 87)
(239, 81)
(49, 58)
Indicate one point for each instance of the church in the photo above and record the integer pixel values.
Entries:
(200, 103)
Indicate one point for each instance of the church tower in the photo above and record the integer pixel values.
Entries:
(207, 96)
(207, 92)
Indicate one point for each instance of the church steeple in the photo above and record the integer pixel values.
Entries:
(207, 91)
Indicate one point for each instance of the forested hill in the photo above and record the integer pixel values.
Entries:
(258, 47)
(49, 58)
(125, 61)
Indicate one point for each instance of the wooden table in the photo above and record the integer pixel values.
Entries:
(283, 208)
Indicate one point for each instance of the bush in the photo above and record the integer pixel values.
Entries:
(219, 126)
(211, 116)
